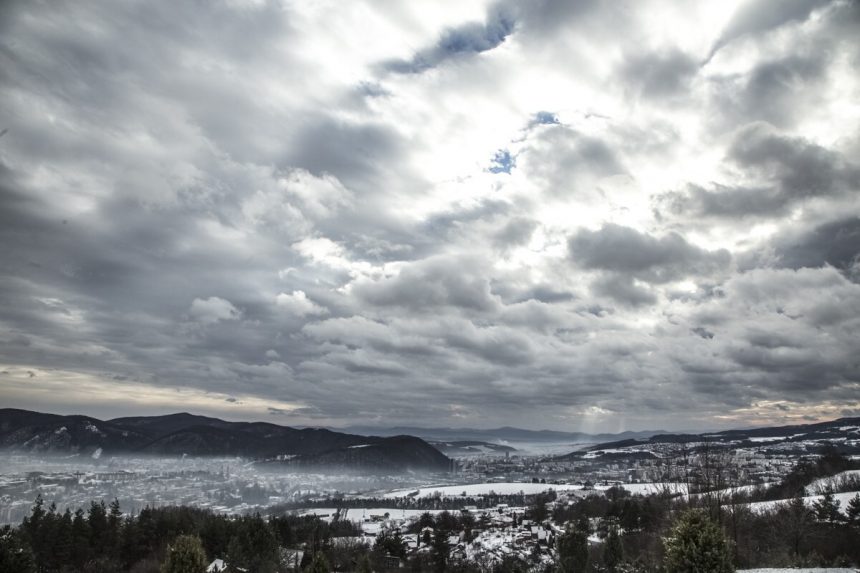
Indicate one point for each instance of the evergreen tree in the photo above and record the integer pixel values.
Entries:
(364, 565)
(97, 518)
(797, 520)
(696, 544)
(827, 508)
(283, 530)
(253, 546)
(114, 521)
(613, 552)
(15, 552)
(61, 556)
(853, 510)
(185, 555)
(573, 550)
(440, 551)
(320, 564)
(33, 528)
(80, 540)
(391, 544)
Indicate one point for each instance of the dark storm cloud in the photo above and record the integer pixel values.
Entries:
(656, 260)
(836, 243)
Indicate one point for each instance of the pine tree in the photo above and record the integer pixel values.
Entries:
(185, 555)
(97, 518)
(613, 552)
(441, 551)
(573, 550)
(827, 508)
(253, 546)
(80, 540)
(853, 510)
(33, 526)
(696, 544)
(364, 565)
(114, 521)
(320, 564)
(62, 553)
(15, 552)
(797, 519)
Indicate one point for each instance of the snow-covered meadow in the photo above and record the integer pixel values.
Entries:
(527, 488)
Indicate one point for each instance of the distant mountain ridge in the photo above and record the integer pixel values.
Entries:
(188, 434)
(502, 434)
(838, 431)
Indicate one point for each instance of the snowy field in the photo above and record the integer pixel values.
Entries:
(360, 514)
(843, 499)
(803, 570)
(527, 488)
(820, 484)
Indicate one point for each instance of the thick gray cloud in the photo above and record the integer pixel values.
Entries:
(796, 168)
(775, 91)
(433, 283)
(656, 260)
(662, 74)
(548, 214)
(755, 18)
(833, 243)
(780, 171)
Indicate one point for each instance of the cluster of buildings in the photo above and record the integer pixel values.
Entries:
(230, 485)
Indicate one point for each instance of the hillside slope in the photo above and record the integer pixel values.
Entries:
(187, 434)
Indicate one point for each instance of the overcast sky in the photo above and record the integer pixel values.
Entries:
(575, 215)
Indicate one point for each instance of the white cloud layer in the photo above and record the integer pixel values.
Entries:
(576, 215)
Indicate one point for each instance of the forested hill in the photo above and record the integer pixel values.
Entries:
(844, 432)
(187, 434)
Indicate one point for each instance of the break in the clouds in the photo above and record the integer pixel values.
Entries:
(577, 215)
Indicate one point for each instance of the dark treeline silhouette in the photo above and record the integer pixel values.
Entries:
(430, 502)
(102, 539)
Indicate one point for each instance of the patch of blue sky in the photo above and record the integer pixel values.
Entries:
(503, 162)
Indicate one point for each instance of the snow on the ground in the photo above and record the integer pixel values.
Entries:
(802, 570)
(730, 491)
(843, 499)
(527, 488)
(818, 485)
(360, 514)
(477, 489)
(650, 488)
(324, 513)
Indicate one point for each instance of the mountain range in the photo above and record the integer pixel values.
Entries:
(503, 435)
(843, 433)
(187, 434)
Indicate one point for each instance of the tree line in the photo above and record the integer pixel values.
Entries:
(660, 533)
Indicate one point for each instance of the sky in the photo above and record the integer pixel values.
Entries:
(573, 215)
